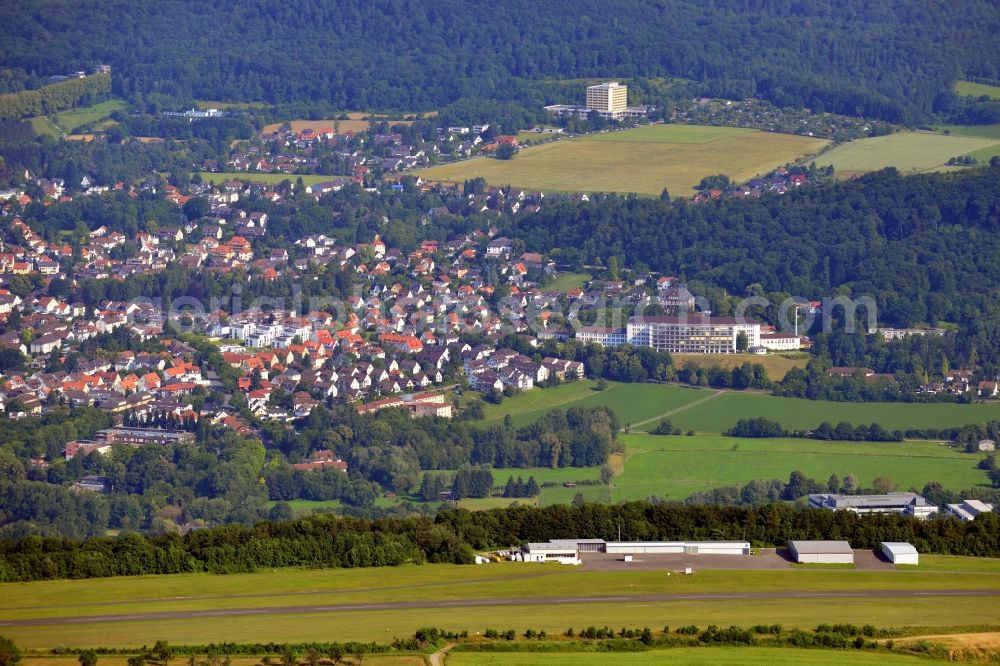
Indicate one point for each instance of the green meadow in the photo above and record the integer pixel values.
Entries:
(504, 583)
(970, 89)
(73, 118)
(672, 467)
(906, 151)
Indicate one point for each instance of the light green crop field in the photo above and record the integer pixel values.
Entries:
(977, 89)
(642, 160)
(504, 583)
(777, 365)
(699, 656)
(673, 467)
(73, 118)
(907, 151)
(722, 413)
(266, 178)
(633, 403)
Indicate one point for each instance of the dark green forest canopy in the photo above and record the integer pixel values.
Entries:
(890, 59)
(924, 247)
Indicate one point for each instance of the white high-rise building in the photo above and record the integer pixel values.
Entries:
(610, 98)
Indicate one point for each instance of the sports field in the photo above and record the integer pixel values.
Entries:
(673, 467)
(642, 160)
(910, 152)
(567, 281)
(698, 656)
(977, 89)
(294, 605)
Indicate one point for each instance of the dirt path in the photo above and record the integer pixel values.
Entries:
(677, 410)
(438, 658)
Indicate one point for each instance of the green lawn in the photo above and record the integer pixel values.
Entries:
(697, 656)
(977, 89)
(985, 131)
(633, 403)
(504, 582)
(777, 365)
(73, 118)
(907, 151)
(567, 281)
(266, 178)
(722, 413)
(673, 467)
(642, 160)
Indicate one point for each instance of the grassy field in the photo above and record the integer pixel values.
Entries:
(711, 411)
(354, 125)
(567, 281)
(985, 131)
(73, 118)
(674, 467)
(777, 365)
(633, 403)
(907, 151)
(977, 89)
(697, 656)
(43, 125)
(720, 414)
(266, 178)
(503, 582)
(642, 160)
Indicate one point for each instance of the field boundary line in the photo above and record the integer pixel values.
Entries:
(677, 410)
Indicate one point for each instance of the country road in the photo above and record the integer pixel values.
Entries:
(468, 603)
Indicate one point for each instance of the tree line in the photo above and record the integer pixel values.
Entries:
(54, 97)
(453, 536)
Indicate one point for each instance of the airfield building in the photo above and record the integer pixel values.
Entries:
(900, 552)
(822, 552)
(968, 509)
(904, 504)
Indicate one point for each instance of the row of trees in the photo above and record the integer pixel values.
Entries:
(760, 427)
(54, 97)
(326, 540)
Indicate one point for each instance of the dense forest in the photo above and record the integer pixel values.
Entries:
(453, 535)
(923, 247)
(893, 60)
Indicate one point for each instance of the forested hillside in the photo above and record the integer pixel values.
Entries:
(892, 59)
(924, 247)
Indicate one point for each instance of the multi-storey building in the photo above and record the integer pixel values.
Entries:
(693, 333)
(608, 98)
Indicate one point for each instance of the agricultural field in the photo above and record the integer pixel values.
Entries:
(971, 89)
(984, 131)
(915, 152)
(777, 365)
(266, 178)
(73, 118)
(722, 413)
(672, 467)
(357, 121)
(42, 125)
(633, 403)
(642, 160)
(261, 607)
(697, 656)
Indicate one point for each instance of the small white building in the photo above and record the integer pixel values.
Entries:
(563, 552)
(678, 547)
(780, 341)
(822, 552)
(968, 509)
(900, 552)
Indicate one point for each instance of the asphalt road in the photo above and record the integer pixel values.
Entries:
(467, 603)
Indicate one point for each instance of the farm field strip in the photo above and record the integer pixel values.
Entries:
(672, 467)
(971, 89)
(642, 160)
(907, 151)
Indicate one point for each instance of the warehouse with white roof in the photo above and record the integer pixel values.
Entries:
(900, 552)
(822, 552)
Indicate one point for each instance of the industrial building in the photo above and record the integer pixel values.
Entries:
(968, 509)
(904, 504)
(822, 552)
(567, 551)
(900, 552)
